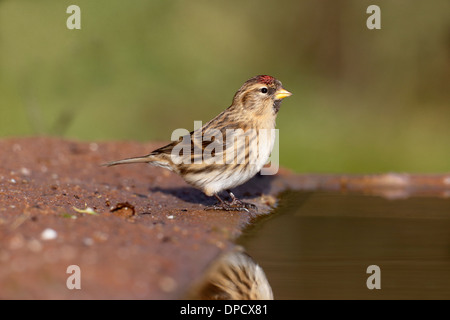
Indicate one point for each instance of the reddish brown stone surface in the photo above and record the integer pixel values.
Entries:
(135, 231)
(150, 237)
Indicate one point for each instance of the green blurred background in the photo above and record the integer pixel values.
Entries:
(364, 100)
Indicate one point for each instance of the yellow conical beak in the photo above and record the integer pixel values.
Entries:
(282, 93)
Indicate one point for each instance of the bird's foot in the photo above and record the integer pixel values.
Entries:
(242, 204)
(227, 206)
(236, 202)
(233, 205)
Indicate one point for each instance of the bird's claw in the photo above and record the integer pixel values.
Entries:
(241, 206)
(233, 205)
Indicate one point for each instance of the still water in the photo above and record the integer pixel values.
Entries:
(319, 245)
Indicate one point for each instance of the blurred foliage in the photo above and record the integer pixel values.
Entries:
(364, 100)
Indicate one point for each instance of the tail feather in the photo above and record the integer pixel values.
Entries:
(159, 160)
(144, 159)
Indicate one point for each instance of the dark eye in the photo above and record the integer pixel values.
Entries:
(264, 90)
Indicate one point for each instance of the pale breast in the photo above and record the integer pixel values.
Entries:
(233, 159)
(247, 160)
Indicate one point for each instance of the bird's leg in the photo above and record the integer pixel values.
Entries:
(227, 206)
(238, 203)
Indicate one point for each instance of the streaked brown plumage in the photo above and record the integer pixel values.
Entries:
(233, 276)
(236, 133)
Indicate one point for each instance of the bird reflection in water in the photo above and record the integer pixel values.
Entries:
(234, 276)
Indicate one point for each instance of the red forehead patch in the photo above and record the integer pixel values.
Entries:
(266, 79)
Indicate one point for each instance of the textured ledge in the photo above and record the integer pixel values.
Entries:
(135, 231)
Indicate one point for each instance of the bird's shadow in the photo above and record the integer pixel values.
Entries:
(256, 186)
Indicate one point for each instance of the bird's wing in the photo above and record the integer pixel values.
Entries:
(219, 141)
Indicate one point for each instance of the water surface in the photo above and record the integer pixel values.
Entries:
(318, 246)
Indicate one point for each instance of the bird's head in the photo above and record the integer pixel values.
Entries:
(260, 95)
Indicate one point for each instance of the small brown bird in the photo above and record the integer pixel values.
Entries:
(228, 150)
